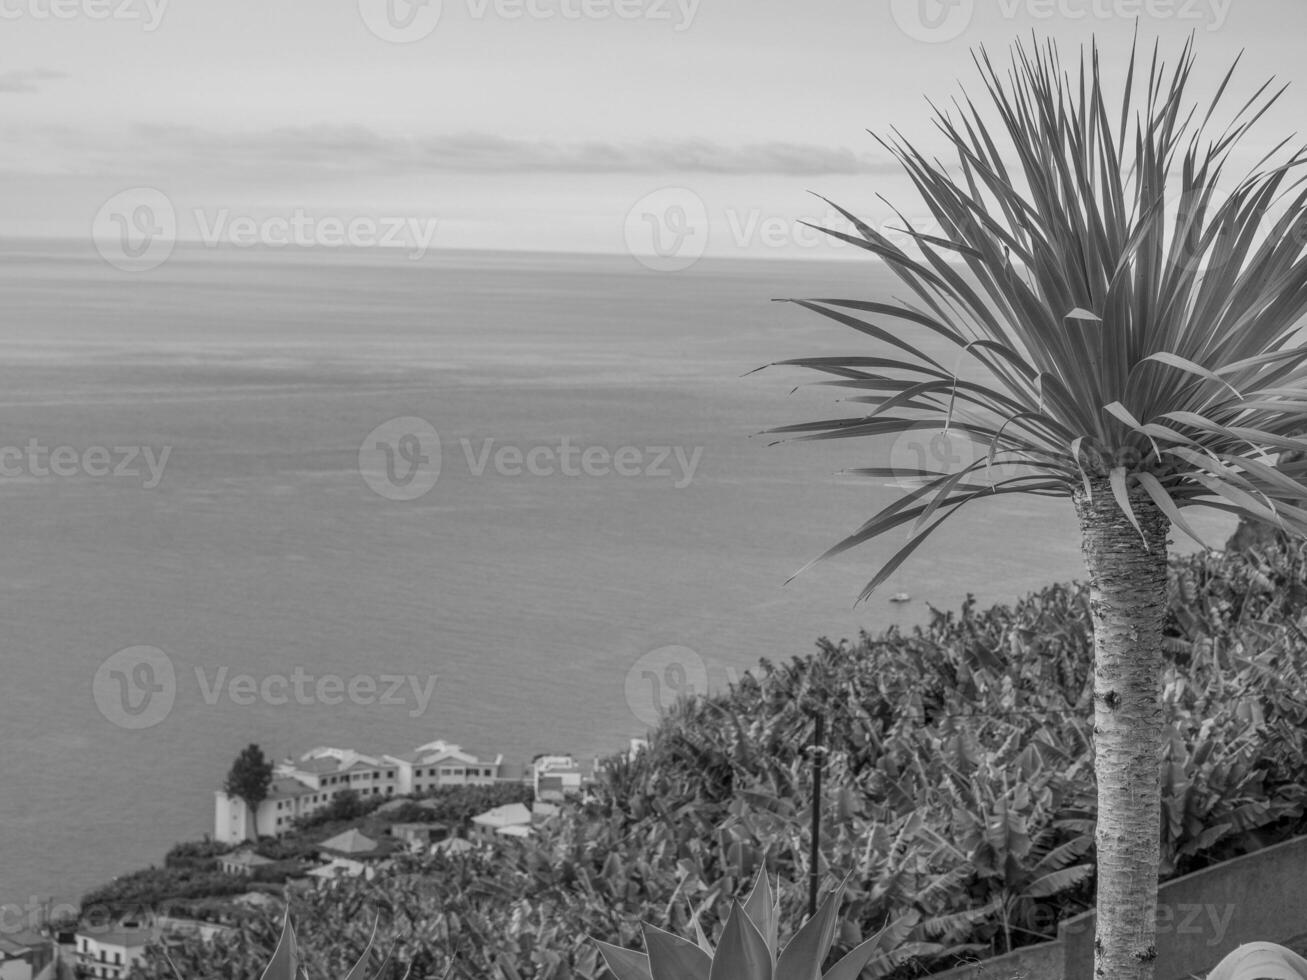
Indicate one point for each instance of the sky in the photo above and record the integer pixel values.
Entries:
(568, 125)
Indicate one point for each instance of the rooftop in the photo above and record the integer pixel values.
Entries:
(350, 842)
(508, 815)
(126, 938)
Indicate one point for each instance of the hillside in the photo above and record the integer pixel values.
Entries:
(958, 790)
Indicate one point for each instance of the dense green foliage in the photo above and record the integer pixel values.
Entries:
(959, 792)
(164, 889)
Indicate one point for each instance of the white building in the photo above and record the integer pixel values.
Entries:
(111, 953)
(441, 763)
(300, 788)
(243, 862)
(556, 777)
(287, 799)
(25, 955)
(335, 770)
(509, 820)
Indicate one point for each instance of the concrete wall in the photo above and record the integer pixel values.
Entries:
(1202, 916)
(1042, 962)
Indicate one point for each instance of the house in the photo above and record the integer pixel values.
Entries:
(332, 771)
(242, 862)
(353, 851)
(419, 836)
(498, 821)
(24, 955)
(110, 953)
(556, 777)
(442, 763)
(300, 788)
(287, 799)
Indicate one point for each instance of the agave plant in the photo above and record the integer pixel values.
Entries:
(1130, 336)
(748, 949)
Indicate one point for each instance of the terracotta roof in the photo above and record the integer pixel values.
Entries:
(350, 842)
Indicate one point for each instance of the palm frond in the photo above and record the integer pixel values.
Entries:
(1127, 312)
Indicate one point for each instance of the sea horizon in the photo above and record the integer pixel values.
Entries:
(532, 598)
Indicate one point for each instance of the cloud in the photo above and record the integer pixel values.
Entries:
(28, 79)
(356, 151)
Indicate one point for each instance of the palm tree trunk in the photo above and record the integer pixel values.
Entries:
(1127, 601)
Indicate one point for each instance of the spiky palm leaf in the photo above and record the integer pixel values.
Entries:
(1124, 319)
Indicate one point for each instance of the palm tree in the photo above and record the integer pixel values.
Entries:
(1128, 318)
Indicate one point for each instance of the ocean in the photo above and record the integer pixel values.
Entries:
(553, 596)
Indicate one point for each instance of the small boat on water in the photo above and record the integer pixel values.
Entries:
(900, 597)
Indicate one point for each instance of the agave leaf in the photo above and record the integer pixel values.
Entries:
(674, 958)
(764, 909)
(803, 956)
(742, 953)
(284, 964)
(853, 962)
(701, 937)
(360, 969)
(626, 964)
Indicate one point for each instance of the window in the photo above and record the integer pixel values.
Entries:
(117, 957)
